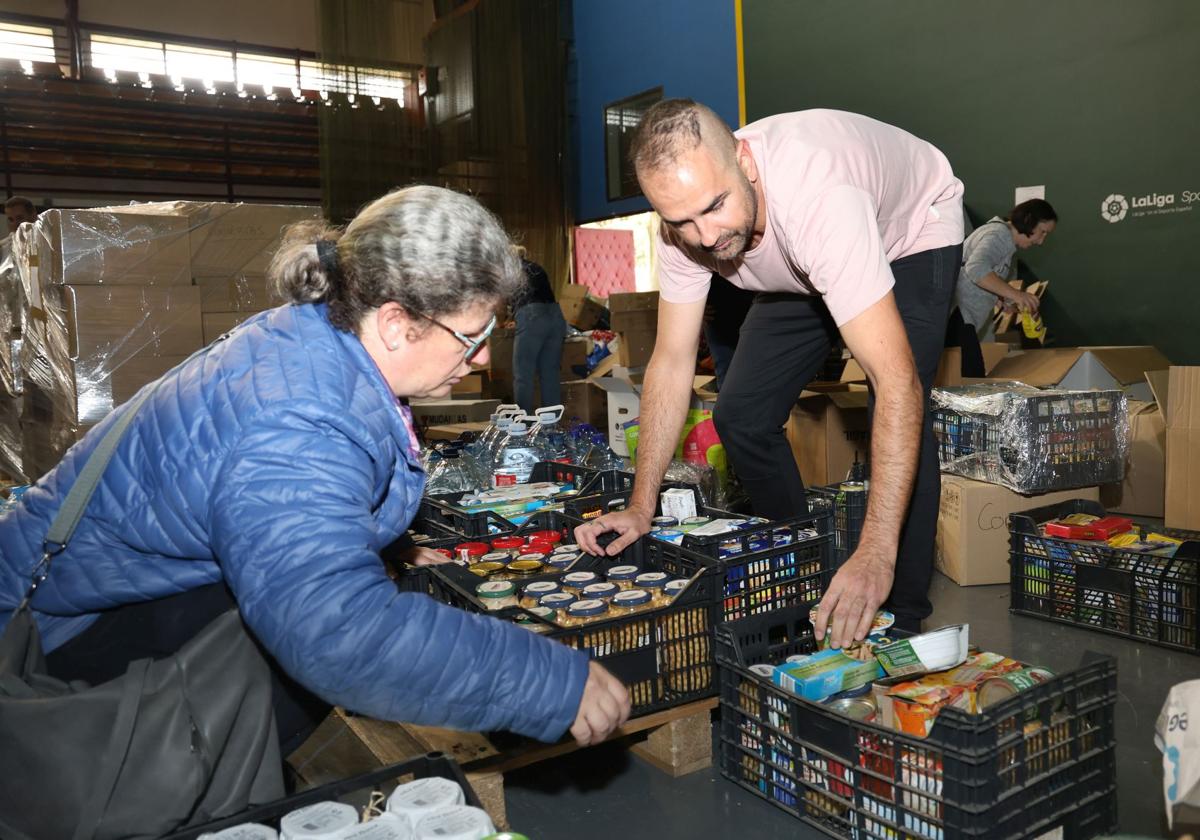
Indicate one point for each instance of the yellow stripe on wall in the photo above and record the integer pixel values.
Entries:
(741, 63)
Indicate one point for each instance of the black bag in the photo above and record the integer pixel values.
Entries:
(174, 742)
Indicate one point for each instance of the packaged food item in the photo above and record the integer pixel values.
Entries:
(384, 827)
(486, 569)
(502, 557)
(567, 548)
(655, 583)
(603, 591)
(1002, 686)
(537, 626)
(552, 537)
(855, 708)
(672, 589)
(532, 593)
(938, 650)
(497, 594)
(583, 612)
(913, 705)
(1097, 529)
(320, 821)
(558, 601)
(670, 535)
(508, 543)
(528, 556)
(562, 561)
(825, 673)
(420, 797)
(471, 552)
(660, 522)
(630, 601)
(880, 624)
(574, 582)
(460, 822)
(623, 576)
(677, 503)
(691, 523)
(519, 569)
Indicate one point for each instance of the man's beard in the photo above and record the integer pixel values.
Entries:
(732, 245)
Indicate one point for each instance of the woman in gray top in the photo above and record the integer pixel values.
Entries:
(987, 261)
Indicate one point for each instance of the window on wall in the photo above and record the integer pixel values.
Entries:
(621, 120)
(268, 71)
(112, 53)
(26, 43)
(187, 62)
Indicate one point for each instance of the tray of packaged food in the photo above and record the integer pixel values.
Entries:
(1075, 563)
(915, 736)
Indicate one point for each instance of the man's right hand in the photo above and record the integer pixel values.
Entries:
(604, 707)
(1026, 302)
(629, 525)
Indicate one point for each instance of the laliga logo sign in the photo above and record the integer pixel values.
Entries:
(1114, 208)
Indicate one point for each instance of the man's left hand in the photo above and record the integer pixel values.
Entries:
(855, 593)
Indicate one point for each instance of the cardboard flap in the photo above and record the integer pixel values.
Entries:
(1159, 382)
(704, 387)
(853, 372)
(1137, 407)
(849, 399)
(604, 367)
(1183, 402)
(1128, 364)
(1040, 368)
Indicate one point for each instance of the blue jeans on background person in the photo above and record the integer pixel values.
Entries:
(537, 351)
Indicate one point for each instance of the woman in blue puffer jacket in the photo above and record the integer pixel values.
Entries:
(274, 466)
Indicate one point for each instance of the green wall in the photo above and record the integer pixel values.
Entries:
(1089, 97)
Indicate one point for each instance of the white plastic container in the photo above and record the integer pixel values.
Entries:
(424, 796)
(937, 650)
(322, 821)
(245, 831)
(384, 827)
(461, 822)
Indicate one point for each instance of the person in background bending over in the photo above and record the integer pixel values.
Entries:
(537, 348)
(982, 281)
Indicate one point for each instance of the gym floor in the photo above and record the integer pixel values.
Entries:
(606, 792)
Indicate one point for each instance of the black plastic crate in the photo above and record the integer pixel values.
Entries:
(849, 511)
(440, 513)
(1039, 762)
(663, 656)
(765, 566)
(1093, 585)
(385, 779)
(1033, 442)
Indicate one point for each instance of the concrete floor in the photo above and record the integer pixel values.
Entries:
(607, 793)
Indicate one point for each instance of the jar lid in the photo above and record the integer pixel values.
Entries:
(545, 536)
(496, 557)
(601, 590)
(525, 567)
(557, 600)
(631, 598)
(580, 577)
(562, 560)
(677, 586)
(623, 572)
(495, 589)
(507, 542)
(592, 606)
(485, 569)
(472, 547)
(564, 547)
(652, 580)
(539, 556)
(540, 588)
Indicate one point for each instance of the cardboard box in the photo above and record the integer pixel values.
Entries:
(582, 398)
(469, 387)
(239, 293)
(827, 431)
(453, 430)
(972, 535)
(500, 352)
(949, 370)
(623, 391)
(1084, 368)
(1143, 490)
(633, 311)
(116, 322)
(1179, 393)
(216, 324)
(580, 310)
(446, 412)
(575, 352)
(498, 386)
(102, 247)
(634, 349)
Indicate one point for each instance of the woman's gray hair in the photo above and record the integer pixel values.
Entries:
(431, 250)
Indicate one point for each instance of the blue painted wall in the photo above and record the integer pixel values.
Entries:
(623, 47)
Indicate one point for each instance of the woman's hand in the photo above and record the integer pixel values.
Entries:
(417, 556)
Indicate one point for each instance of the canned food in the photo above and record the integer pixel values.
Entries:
(695, 521)
(763, 670)
(668, 535)
(623, 576)
(497, 594)
(603, 591)
(485, 569)
(664, 522)
(552, 537)
(995, 689)
(525, 568)
(855, 708)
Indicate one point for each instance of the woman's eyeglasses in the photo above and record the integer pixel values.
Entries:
(473, 344)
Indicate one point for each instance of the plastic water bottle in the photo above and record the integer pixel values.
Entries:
(515, 456)
(451, 475)
(601, 456)
(579, 442)
(550, 437)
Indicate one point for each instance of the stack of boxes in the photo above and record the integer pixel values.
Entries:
(115, 297)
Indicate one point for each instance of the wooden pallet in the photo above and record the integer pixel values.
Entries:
(677, 741)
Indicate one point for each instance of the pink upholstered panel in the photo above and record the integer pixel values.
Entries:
(604, 261)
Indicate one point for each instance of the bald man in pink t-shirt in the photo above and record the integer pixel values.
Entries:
(842, 224)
